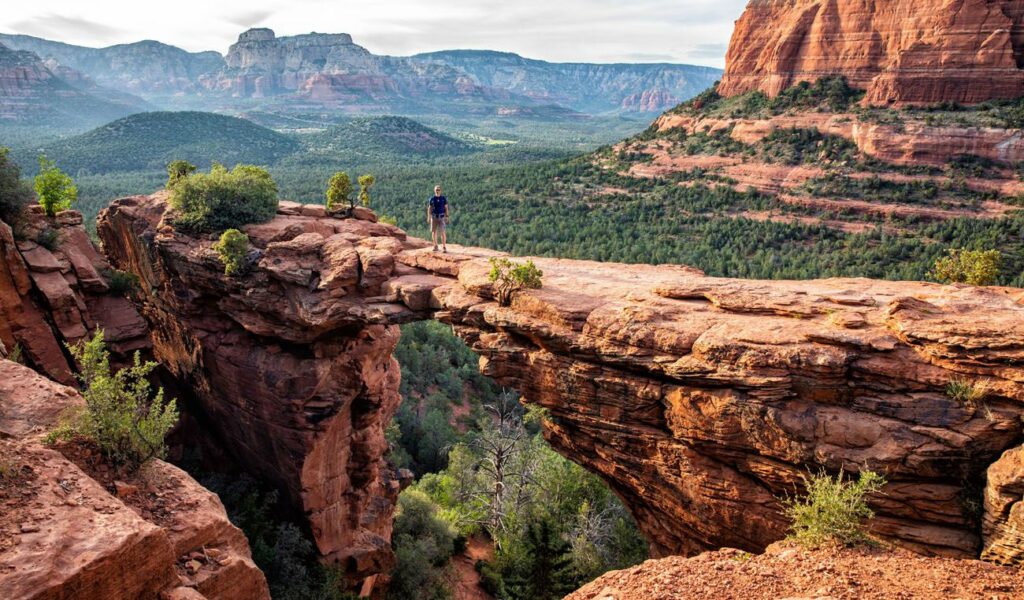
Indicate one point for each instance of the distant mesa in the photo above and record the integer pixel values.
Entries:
(257, 34)
(317, 71)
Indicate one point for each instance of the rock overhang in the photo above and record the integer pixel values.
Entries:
(700, 400)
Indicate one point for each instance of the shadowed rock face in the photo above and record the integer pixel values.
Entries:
(900, 51)
(700, 400)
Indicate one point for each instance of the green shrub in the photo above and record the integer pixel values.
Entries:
(797, 146)
(423, 542)
(15, 193)
(224, 199)
(178, 170)
(55, 188)
(973, 267)
(833, 510)
(339, 191)
(967, 391)
(832, 92)
(510, 277)
(122, 415)
(491, 579)
(365, 183)
(17, 354)
(233, 248)
(121, 283)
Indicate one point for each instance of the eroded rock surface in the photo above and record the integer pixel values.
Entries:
(900, 51)
(66, 534)
(54, 291)
(700, 400)
(790, 572)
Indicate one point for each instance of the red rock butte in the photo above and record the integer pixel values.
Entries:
(900, 51)
(700, 400)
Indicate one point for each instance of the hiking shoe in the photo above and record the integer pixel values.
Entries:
(445, 250)
(435, 248)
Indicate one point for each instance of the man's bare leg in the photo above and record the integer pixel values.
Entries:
(444, 240)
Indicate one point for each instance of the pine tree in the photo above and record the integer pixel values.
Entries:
(546, 571)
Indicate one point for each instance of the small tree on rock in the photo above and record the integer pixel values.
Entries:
(233, 248)
(365, 183)
(510, 277)
(973, 267)
(123, 416)
(55, 188)
(178, 170)
(339, 191)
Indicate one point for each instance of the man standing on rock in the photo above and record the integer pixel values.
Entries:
(437, 217)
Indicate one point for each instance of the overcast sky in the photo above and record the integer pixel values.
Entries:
(686, 31)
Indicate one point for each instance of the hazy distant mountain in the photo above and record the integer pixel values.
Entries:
(34, 94)
(589, 88)
(146, 68)
(329, 71)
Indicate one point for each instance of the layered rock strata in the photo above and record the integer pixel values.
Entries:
(64, 534)
(291, 363)
(901, 51)
(54, 291)
(699, 400)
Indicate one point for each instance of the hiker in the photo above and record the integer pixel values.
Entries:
(437, 217)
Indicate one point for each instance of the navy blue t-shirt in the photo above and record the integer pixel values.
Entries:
(438, 206)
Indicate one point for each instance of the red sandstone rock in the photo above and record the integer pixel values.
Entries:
(22, 322)
(51, 298)
(87, 545)
(1003, 525)
(699, 400)
(64, 535)
(791, 572)
(291, 362)
(901, 51)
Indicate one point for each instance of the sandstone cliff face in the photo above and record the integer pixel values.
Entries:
(65, 534)
(901, 51)
(50, 298)
(699, 400)
(292, 364)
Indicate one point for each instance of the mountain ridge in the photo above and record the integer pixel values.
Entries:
(332, 71)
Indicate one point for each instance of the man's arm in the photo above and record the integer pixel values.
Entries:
(447, 210)
(428, 212)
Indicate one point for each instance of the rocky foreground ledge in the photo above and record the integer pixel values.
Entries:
(785, 571)
(68, 530)
(700, 400)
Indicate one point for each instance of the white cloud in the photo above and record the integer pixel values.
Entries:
(567, 30)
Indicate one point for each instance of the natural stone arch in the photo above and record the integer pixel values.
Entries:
(699, 400)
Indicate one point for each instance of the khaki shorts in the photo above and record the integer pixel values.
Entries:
(437, 224)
